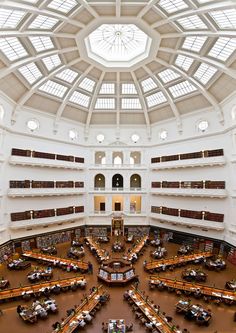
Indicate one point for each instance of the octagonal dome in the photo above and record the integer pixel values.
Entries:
(119, 45)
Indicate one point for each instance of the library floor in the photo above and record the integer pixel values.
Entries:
(116, 308)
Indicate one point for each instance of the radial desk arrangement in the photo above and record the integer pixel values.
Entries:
(223, 295)
(58, 262)
(71, 323)
(143, 304)
(140, 243)
(39, 288)
(177, 261)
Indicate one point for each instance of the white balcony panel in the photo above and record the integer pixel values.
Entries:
(41, 162)
(117, 166)
(113, 190)
(190, 192)
(187, 222)
(41, 192)
(47, 221)
(196, 162)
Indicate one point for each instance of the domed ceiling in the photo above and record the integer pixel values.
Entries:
(117, 62)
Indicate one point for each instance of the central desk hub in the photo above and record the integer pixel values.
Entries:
(116, 271)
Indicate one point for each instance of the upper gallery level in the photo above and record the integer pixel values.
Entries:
(208, 188)
(45, 159)
(31, 188)
(191, 159)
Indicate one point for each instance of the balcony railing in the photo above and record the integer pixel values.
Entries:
(117, 189)
(117, 166)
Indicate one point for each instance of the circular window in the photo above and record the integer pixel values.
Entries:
(73, 134)
(135, 138)
(163, 135)
(32, 124)
(100, 138)
(203, 125)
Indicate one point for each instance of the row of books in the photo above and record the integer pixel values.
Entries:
(45, 184)
(207, 184)
(36, 214)
(188, 156)
(200, 215)
(50, 156)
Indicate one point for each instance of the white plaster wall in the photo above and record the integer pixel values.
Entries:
(189, 139)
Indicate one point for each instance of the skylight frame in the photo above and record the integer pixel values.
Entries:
(10, 18)
(223, 48)
(80, 99)
(52, 62)
(205, 73)
(30, 72)
(183, 62)
(128, 103)
(225, 19)
(41, 43)
(62, 6)
(107, 88)
(53, 88)
(128, 88)
(172, 6)
(148, 84)
(168, 75)
(182, 89)
(155, 99)
(105, 103)
(67, 75)
(87, 84)
(12, 48)
(192, 22)
(194, 43)
(43, 22)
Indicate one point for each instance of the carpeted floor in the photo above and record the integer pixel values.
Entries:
(222, 321)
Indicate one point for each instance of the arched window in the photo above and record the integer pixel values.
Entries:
(117, 160)
(117, 181)
(135, 182)
(99, 182)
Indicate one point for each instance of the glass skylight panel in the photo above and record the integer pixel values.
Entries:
(183, 62)
(204, 1)
(194, 43)
(223, 48)
(204, 73)
(192, 22)
(87, 84)
(30, 72)
(43, 22)
(128, 89)
(80, 99)
(10, 18)
(171, 6)
(105, 103)
(53, 88)
(131, 104)
(67, 75)
(148, 84)
(41, 43)
(52, 62)
(225, 18)
(155, 99)
(182, 88)
(12, 48)
(107, 88)
(63, 5)
(168, 75)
